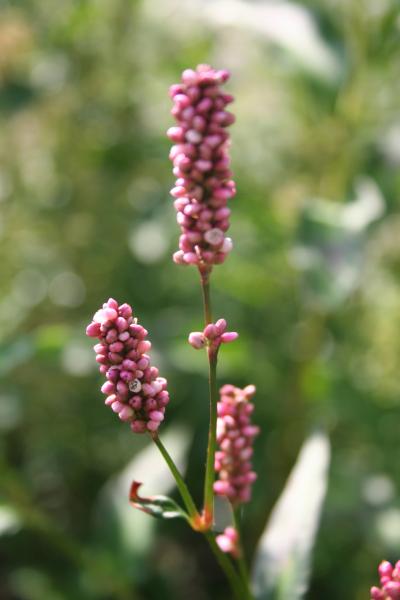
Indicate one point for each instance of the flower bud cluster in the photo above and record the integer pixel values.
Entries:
(390, 582)
(235, 436)
(228, 541)
(201, 166)
(213, 335)
(133, 388)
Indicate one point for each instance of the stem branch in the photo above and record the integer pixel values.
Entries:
(182, 487)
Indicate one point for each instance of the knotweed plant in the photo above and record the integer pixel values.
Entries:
(137, 393)
(133, 387)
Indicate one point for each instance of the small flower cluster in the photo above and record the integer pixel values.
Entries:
(201, 165)
(235, 435)
(390, 582)
(133, 388)
(228, 541)
(213, 335)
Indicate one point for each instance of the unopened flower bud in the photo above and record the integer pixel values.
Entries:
(197, 339)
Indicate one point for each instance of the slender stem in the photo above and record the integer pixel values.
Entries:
(238, 588)
(212, 440)
(205, 288)
(212, 368)
(182, 487)
(244, 573)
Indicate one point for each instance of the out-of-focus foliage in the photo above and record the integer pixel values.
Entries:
(313, 285)
(282, 563)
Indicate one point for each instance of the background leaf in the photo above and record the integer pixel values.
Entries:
(282, 564)
(9, 520)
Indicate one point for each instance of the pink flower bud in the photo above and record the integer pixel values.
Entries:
(210, 331)
(156, 415)
(196, 339)
(108, 387)
(230, 336)
(228, 541)
(126, 413)
(138, 426)
(93, 330)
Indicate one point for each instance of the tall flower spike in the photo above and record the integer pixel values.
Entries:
(235, 435)
(133, 388)
(201, 165)
(390, 582)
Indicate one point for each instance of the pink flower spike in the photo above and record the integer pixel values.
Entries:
(123, 359)
(235, 436)
(201, 165)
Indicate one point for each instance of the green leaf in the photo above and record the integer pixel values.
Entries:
(283, 558)
(161, 507)
(332, 242)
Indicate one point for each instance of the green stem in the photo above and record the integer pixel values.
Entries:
(212, 440)
(205, 288)
(238, 588)
(244, 573)
(182, 487)
(212, 434)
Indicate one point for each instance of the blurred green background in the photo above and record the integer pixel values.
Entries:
(313, 285)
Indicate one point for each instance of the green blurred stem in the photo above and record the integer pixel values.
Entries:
(182, 487)
(243, 570)
(238, 588)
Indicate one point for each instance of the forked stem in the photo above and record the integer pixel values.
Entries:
(238, 586)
